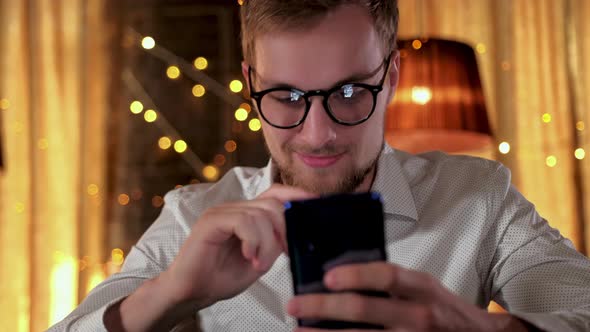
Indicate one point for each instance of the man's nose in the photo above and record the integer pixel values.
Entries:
(318, 128)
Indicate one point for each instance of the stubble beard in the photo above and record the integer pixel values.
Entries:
(315, 180)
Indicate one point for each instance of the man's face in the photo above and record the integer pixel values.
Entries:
(320, 155)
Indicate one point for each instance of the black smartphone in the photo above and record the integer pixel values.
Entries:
(331, 231)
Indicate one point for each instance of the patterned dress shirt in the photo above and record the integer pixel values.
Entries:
(455, 217)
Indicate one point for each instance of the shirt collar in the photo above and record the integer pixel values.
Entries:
(390, 182)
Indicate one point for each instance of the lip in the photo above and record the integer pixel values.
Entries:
(316, 161)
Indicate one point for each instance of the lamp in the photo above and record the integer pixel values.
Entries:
(439, 104)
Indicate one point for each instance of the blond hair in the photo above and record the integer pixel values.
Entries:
(262, 16)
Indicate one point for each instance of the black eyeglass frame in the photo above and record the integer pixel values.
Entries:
(374, 89)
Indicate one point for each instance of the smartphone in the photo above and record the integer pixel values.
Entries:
(331, 231)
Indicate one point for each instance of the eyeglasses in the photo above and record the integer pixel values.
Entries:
(347, 104)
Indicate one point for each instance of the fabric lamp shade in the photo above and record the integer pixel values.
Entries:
(439, 103)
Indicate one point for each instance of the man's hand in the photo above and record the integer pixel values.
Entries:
(418, 302)
(228, 249)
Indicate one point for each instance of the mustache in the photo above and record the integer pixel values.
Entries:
(328, 149)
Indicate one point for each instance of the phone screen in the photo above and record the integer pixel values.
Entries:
(330, 231)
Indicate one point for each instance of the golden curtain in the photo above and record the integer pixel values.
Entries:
(534, 58)
(53, 83)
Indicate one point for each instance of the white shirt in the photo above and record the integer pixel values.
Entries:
(455, 217)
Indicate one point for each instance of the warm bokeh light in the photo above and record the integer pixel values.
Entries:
(506, 66)
(481, 48)
(417, 44)
(150, 116)
(4, 104)
(504, 148)
(580, 154)
(64, 290)
(173, 72)
(164, 143)
(421, 95)
(92, 189)
(136, 107)
(136, 194)
(117, 257)
(19, 207)
(580, 126)
(236, 86)
(546, 118)
(254, 125)
(551, 161)
(241, 114)
(157, 201)
(210, 172)
(240, 2)
(43, 144)
(201, 63)
(219, 160)
(148, 43)
(96, 278)
(199, 90)
(123, 199)
(180, 146)
(230, 146)
(246, 106)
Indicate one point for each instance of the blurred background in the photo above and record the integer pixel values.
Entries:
(107, 105)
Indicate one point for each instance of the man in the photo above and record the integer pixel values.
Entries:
(321, 73)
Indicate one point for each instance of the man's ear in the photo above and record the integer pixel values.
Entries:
(393, 74)
(245, 74)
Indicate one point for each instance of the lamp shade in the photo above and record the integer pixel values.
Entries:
(439, 103)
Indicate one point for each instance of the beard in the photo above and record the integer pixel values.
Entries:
(322, 181)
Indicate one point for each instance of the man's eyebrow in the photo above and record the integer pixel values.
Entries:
(269, 84)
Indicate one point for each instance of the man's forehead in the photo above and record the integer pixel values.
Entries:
(325, 54)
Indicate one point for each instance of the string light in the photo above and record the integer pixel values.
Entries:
(180, 146)
(150, 116)
(580, 126)
(201, 63)
(92, 189)
(546, 118)
(580, 154)
(43, 144)
(117, 256)
(173, 72)
(481, 48)
(164, 143)
(123, 199)
(4, 104)
(417, 44)
(246, 106)
(136, 107)
(241, 114)
(236, 86)
(230, 146)
(148, 43)
(136, 194)
(19, 207)
(219, 160)
(210, 172)
(504, 148)
(199, 91)
(254, 125)
(157, 201)
(551, 161)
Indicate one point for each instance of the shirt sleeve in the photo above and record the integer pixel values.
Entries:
(535, 273)
(152, 255)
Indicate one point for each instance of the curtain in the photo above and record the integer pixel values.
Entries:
(53, 75)
(534, 58)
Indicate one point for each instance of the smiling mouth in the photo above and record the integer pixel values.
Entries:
(319, 161)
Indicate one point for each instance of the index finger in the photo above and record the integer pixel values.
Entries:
(287, 193)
